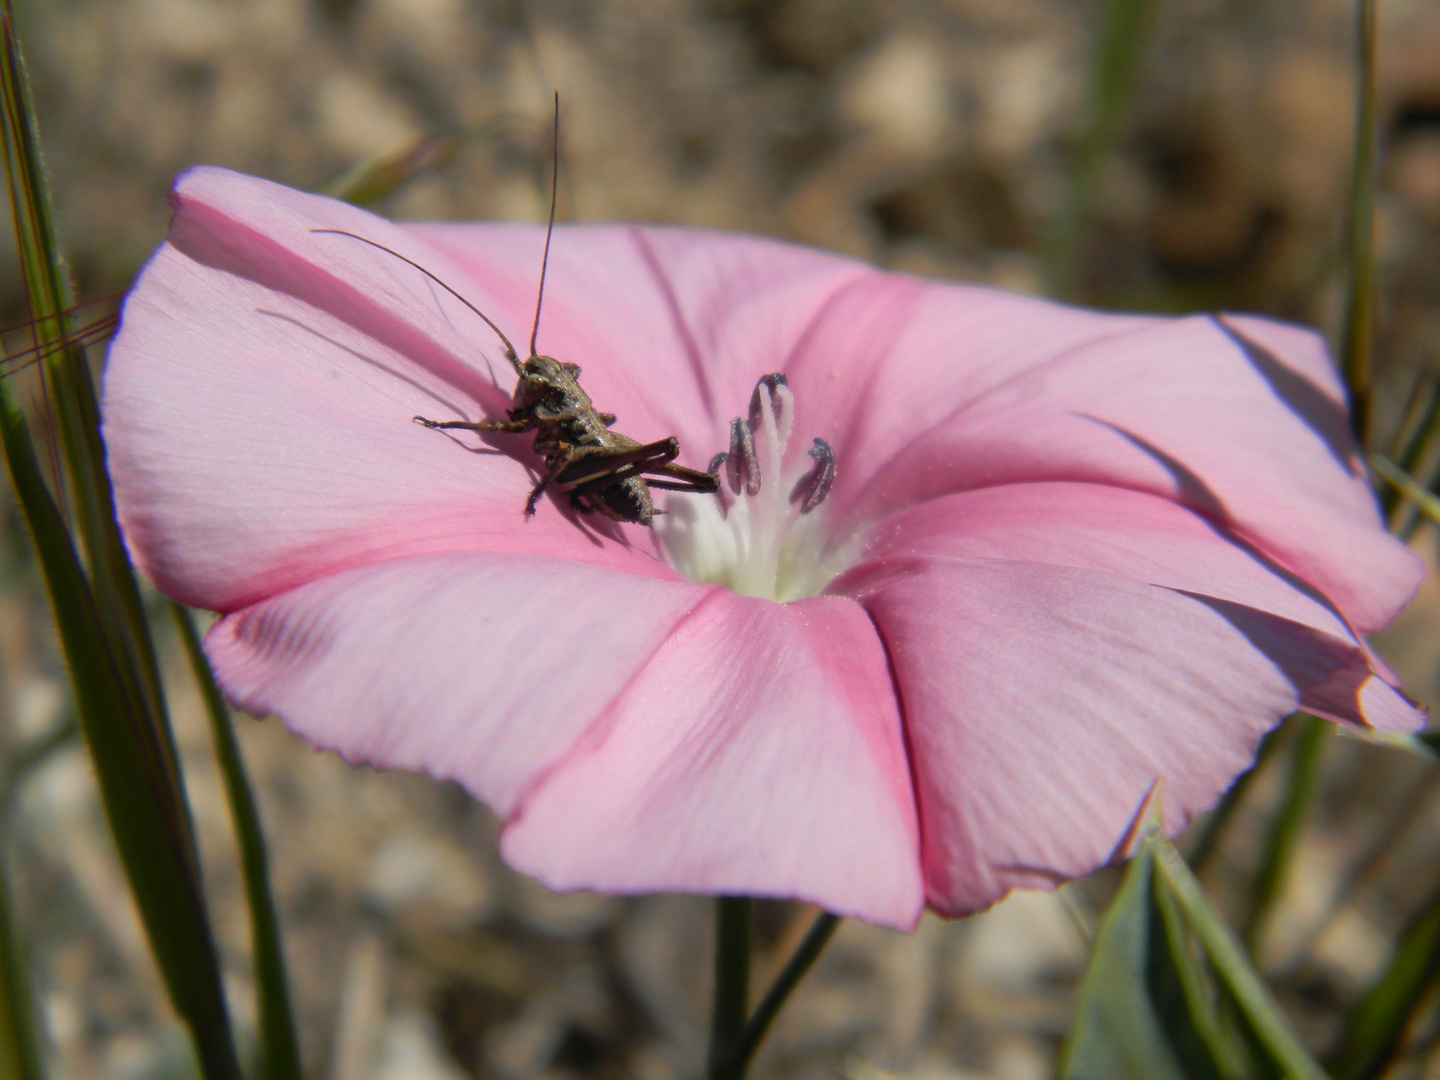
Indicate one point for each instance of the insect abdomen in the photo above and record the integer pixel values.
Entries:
(625, 500)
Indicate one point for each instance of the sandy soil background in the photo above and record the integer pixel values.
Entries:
(933, 137)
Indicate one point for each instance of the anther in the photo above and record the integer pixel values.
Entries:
(812, 488)
(716, 463)
(742, 465)
(771, 382)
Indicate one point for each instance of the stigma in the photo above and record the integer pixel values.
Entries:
(763, 533)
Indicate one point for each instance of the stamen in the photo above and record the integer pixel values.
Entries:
(771, 382)
(762, 539)
(742, 466)
(814, 486)
(716, 463)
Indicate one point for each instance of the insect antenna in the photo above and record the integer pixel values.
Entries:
(550, 228)
(90, 334)
(82, 337)
(509, 348)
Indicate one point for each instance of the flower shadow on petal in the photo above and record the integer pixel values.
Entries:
(220, 242)
(1193, 491)
(1322, 414)
(1329, 675)
(1197, 494)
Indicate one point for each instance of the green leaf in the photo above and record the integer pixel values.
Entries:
(1375, 1029)
(1168, 993)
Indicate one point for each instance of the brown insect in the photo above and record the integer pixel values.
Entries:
(604, 470)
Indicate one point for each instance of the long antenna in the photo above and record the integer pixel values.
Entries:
(545, 259)
(509, 349)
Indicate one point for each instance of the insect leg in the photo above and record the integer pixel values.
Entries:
(682, 479)
(597, 463)
(575, 456)
(510, 426)
(697, 487)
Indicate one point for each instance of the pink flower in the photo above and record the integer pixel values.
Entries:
(1067, 558)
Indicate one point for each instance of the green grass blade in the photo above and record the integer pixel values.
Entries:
(1375, 1029)
(1278, 852)
(1358, 330)
(157, 859)
(1208, 841)
(279, 1044)
(731, 1004)
(374, 178)
(21, 1056)
(1112, 76)
(800, 962)
(1417, 431)
(30, 756)
(72, 400)
(1425, 500)
(100, 620)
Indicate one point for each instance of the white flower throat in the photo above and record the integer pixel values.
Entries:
(763, 534)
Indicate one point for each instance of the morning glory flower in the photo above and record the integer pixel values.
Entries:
(984, 574)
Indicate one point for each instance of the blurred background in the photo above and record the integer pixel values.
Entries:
(1165, 155)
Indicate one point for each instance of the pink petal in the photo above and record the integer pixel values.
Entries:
(1049, 686)
(672, 326)
(258, 402)
(1131, 534)
(758, 753)
(966, 389)
(479, 668)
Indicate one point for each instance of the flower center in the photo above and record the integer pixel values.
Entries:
(763, 534)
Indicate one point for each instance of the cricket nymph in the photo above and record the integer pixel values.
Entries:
(604, 470)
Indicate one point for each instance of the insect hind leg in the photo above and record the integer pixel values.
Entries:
(506, 426)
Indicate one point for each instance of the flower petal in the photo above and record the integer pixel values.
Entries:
(258, 405)
(946, 388)
(482, 669)
(1132, 534)
(672, 326)
(1045, 703)
(758, 753)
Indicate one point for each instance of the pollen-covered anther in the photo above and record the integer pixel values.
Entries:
(761, 539)
(716, 464)
(742, 464)
(776, 400)
(810, 490)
